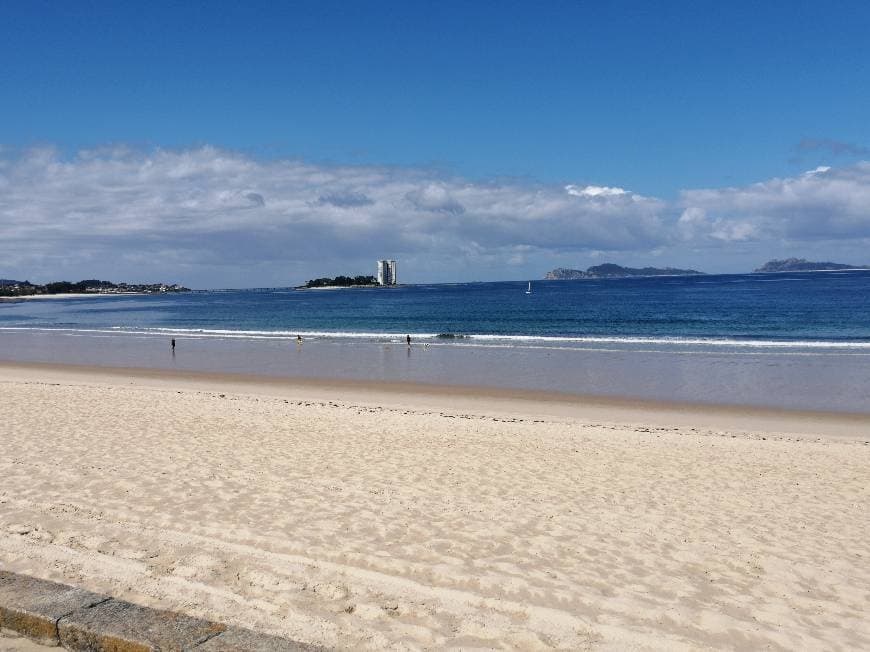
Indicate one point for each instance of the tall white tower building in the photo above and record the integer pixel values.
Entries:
(387, 272)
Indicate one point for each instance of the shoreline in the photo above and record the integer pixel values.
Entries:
(350, 287)
(527, 402)
(815, 382)
(74, 295)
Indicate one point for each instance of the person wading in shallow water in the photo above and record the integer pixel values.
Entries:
(408, 339)
(172, 344)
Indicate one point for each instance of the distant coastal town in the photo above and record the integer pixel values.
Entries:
(11, 288)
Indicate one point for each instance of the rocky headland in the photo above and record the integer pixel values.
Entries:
(803, 265)
(610, 270)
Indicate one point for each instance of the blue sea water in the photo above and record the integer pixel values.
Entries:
(797, 341)
(828, 310)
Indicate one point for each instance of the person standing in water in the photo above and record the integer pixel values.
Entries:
(408, 339)
(172, 344)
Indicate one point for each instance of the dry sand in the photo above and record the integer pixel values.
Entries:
(386, 519)
(10, 642)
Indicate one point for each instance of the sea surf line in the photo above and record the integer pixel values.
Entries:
(473, 339)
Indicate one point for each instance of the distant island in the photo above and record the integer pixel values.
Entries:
(609, 270)
(10, 288)
(340, 282)
(803, 265)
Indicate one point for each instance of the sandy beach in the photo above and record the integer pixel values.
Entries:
(407, 517)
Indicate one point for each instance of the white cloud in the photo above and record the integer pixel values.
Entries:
(594, 191)
(212, 217)
(695, 226)
(215, 208)
(822, 204)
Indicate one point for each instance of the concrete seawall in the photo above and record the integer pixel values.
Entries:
(53, 614)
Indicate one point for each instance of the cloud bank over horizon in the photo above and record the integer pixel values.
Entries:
(210, 218)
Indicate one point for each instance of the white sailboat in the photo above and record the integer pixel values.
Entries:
(529, 291)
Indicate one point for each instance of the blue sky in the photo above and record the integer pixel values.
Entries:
(660, 99)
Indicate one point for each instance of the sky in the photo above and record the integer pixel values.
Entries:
(231, 144)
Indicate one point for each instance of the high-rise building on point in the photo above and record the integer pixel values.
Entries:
(387, 272)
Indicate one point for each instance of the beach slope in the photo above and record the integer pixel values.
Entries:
(369, 520)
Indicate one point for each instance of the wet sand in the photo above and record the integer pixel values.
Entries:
(829, 381)
(374, 516)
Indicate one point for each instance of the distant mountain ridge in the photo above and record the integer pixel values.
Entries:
(611, 270)
(804, 265)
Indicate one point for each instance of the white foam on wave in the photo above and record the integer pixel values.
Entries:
(677, 341)
(458, 339)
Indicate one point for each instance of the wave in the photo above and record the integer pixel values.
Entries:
(459, 339)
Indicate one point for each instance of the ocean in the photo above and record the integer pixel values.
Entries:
(784, 340)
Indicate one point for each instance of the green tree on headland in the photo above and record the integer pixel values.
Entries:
(341, 281)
